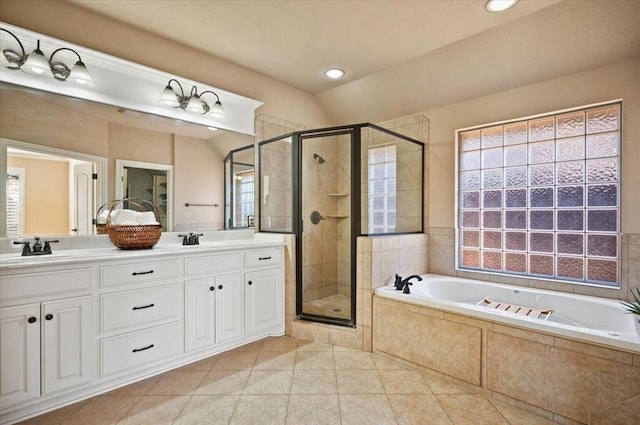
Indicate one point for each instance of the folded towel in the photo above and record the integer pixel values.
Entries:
(102, 217)
(124, 216)
(146, 218)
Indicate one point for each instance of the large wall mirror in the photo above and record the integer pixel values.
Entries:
(239, 177)
(78, 141)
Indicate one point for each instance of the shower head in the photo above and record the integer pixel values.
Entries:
(319, 158)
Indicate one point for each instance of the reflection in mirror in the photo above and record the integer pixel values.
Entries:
(147, 181)
(49, 191)
(53, 122)
(239, 168)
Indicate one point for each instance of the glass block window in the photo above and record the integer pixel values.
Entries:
(382, 189)
(244, 201)
(540, 197)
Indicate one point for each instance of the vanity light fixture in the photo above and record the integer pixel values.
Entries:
(499, 5)
(37, 64)
(193, 102)
(334, 73)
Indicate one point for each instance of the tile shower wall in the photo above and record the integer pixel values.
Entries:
(277, 159)
(407, 170)
(442, 254)
(326, 189)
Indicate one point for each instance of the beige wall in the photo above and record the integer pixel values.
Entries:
(46, 195)
(608, 83)
(76, 25)
(137, 144)
(198, 179)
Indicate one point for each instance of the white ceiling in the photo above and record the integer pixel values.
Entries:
(401, 57)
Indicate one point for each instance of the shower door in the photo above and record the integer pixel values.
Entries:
(326, 278)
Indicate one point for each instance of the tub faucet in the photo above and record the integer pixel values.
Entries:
(398, 282)
(404, 285)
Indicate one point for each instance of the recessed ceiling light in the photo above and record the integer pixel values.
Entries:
(499, 5)
(334, 73)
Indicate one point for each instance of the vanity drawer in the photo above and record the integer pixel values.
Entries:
(45, 283)
(148, 271)
(263, 258)
(136, 349)
(131, 308)
(212, 264)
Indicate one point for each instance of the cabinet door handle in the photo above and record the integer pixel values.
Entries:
(136, 350)
(219, 286)
(212, 288)
(141, 273)
(32, 319)
(264, 258)
(142, 307)
(49, 316)
(250, 282)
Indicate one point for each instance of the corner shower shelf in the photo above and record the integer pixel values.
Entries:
(337, 194)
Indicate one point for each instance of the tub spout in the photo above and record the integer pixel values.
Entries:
(404, 285)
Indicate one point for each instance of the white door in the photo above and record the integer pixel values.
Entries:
(19, 354)
(82, 209)
(66, 336)
(199, 311)
(264, 301)
(229, 307)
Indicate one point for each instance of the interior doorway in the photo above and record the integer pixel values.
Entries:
(150, 182)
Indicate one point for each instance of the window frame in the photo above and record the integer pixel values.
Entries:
(457, 207)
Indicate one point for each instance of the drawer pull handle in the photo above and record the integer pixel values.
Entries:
(212, 288)
(250, 282)
(49, 316)
(264, 258)
(220, 286)
(32, 319)
(142, 307)
(136, 350)
(141, 273)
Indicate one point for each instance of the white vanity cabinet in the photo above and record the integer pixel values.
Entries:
(264, 298)
(140, 314)
(20, 354)
(45, 339)
(214, 302)
(78, 327)
(214, 311)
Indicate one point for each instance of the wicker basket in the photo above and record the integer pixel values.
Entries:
(139, 236)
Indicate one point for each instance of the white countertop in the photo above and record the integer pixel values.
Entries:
(14, 260)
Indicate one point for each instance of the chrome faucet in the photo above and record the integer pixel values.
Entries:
(37, 249)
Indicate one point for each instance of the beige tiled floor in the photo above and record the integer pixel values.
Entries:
(291, 382)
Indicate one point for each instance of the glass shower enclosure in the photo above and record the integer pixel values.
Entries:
(328, 187)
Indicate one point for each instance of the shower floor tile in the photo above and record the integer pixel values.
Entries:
(336, 305)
